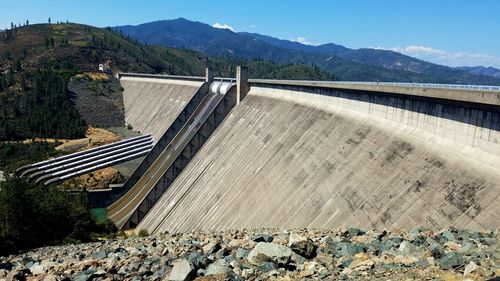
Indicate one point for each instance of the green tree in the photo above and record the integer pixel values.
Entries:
(17, 65)
(44, 109)
(2, 82)
(34, 215)
(10, 77)
(49, 20)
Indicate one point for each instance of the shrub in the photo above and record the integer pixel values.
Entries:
(143, 233)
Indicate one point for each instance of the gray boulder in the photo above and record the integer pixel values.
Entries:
(269, 252)
(263, 237)
(301, 245)
(451, 260)
(183, 270)
(217, 267)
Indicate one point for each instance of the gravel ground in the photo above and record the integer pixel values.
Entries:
(349, 254)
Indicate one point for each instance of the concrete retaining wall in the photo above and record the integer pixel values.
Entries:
(304, 157)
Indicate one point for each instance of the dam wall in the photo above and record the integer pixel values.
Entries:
(152, 104)
(474, 124)
(300, 155)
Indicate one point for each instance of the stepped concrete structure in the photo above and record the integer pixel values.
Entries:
(317, 154)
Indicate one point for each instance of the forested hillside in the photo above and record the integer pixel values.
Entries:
(37, 61)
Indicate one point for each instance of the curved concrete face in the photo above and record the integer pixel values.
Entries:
(151, 105)
(288, 162)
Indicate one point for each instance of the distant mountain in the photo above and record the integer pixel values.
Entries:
(329, 48)
(481, 70)
(345, 63)
(382, 58)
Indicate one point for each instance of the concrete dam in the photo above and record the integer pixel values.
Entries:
(312, 154)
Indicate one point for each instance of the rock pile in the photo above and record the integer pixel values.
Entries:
(99, 101)
(269, 254)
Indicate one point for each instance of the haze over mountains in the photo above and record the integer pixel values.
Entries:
(346, 64)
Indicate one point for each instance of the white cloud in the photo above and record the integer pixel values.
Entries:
(447, 58)
(303, 40)
(223, 26)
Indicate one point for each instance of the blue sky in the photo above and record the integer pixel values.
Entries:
(450, 32)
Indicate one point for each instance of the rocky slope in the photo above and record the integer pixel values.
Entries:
(98, 99)
(418, 254)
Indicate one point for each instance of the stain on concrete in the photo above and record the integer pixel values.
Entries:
(267, 138)
(300, 178)
(385, 217)
(463, 196)
(418, 186)
(434, 163)
(398, 150)
(329, 166)
(353, 199)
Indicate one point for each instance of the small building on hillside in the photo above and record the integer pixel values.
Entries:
(105, 67)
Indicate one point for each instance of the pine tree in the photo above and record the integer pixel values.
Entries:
(10, 77)
(1, 82)
(49, 20)
(27, 22)
(17, 65)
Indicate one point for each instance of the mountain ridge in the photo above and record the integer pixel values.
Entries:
(347, 64)
(481, 70)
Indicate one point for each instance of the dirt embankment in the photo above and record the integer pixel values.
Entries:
(93, 137)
